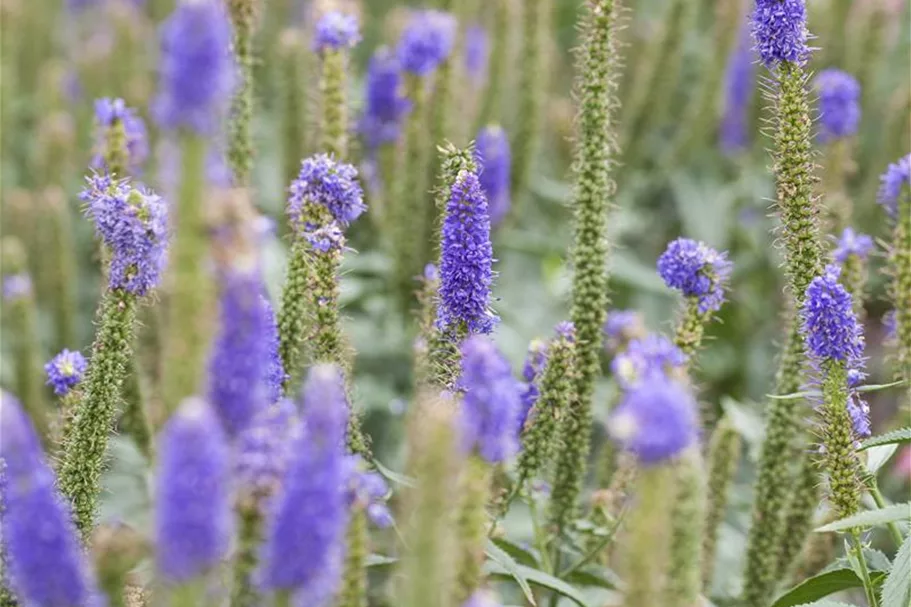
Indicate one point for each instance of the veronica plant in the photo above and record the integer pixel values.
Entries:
(851, 254)
(335, 34)
(780, 34)
(132, 223)
(839, 117)
(244, 18)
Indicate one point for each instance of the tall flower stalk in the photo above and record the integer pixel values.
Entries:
(426, 43)
(839, 117)
(43, 558)
(335, 34)
(498, 63)
(780, 33)
(244, 17)
(133, 225)
(593, 191)
(895, 198)
(723, 458)
(533, 84)
(197, 81)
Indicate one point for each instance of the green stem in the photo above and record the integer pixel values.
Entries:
(877, 495)
(684, 584)
(86, 442)
(295, 65)
(190, 286)
(497, 64)
(472, 518)
(723, 457)
(354, 581)
(293, 324)
(858, 550)
(647, 541)
(240, 131)
(244, 592)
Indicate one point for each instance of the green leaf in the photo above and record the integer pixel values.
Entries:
(902, 435)
(870, 518)
(821, 586)
(795, 395)
(379, 560)
(826, 603)
(499, 556)
(879, 455)
(598, 577)
(897, 590)
(522, 555)
(395, 477)
(878, 387)
(538, 578)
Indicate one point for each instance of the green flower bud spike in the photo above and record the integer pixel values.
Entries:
(684, 580)
(353, 592)
(497, 64)
(556, 394)
(333, 87)
(900, 287)
(191, 290)
(723, 457)
(21, 316)
(244, 17)
(294, 60)
(595, 148)
(472, 525)
(410, 213)
(429, 508)
(645, 547)
(798, 518)
(61, 248)
(533, 83)
(799, 211)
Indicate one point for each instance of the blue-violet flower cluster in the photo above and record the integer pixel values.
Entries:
(385, 105)
(852, 243)
(740, 82)
(44, 559)
(494, 161)
(466, 259)
(839, 103)
(645, 358)
(193, 517)
(780, 31)
(107, 111)
(896, 178)
(491, 401)
(134, 225)
(831, 330)
(324, 182)
(264, 448)
(336, 30)
(65, 371)
(696, 270)
(655, 420)
(198, 73)
(427, 41)
(304, 541)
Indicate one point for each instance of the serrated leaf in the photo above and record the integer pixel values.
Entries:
(500, 557)
(522, 555)
(897, 590)
(870, 518)
(879, 455)
(902, 435)
(538, 578)
(821, 586)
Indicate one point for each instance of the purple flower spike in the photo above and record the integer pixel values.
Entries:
(197, 67)
(491, 401)
(493, 156)
(466, 260)
(242, 375)
(134, 225)
(368, 490)
(65, 371)
(655, 421)
(193, 521)
(860, 415)
(45, 564)
(839, 103)
(831, 330)
(264, 448)
(427, 41)
(108, 110)
(304, 544)
(531, 371)
(740, 82)
(896, 178)
(323, 181)
(696, 270)
(645, 358)
(852, 243)
(334, 31)
(476, 52)
(385, 106)
(780, 31)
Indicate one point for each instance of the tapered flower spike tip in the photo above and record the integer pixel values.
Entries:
(193, 523)
(839, 103)
(336, 30)
(896, 178)
(494, 160)
(385, 106)
(655, 421)
(830, 327)
(198, 74)
(427, 41)
(45, 563)
(852, 243)
(696, 270)
(780, 31)
(327, 183)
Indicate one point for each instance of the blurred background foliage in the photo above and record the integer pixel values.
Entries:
(673, 180)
